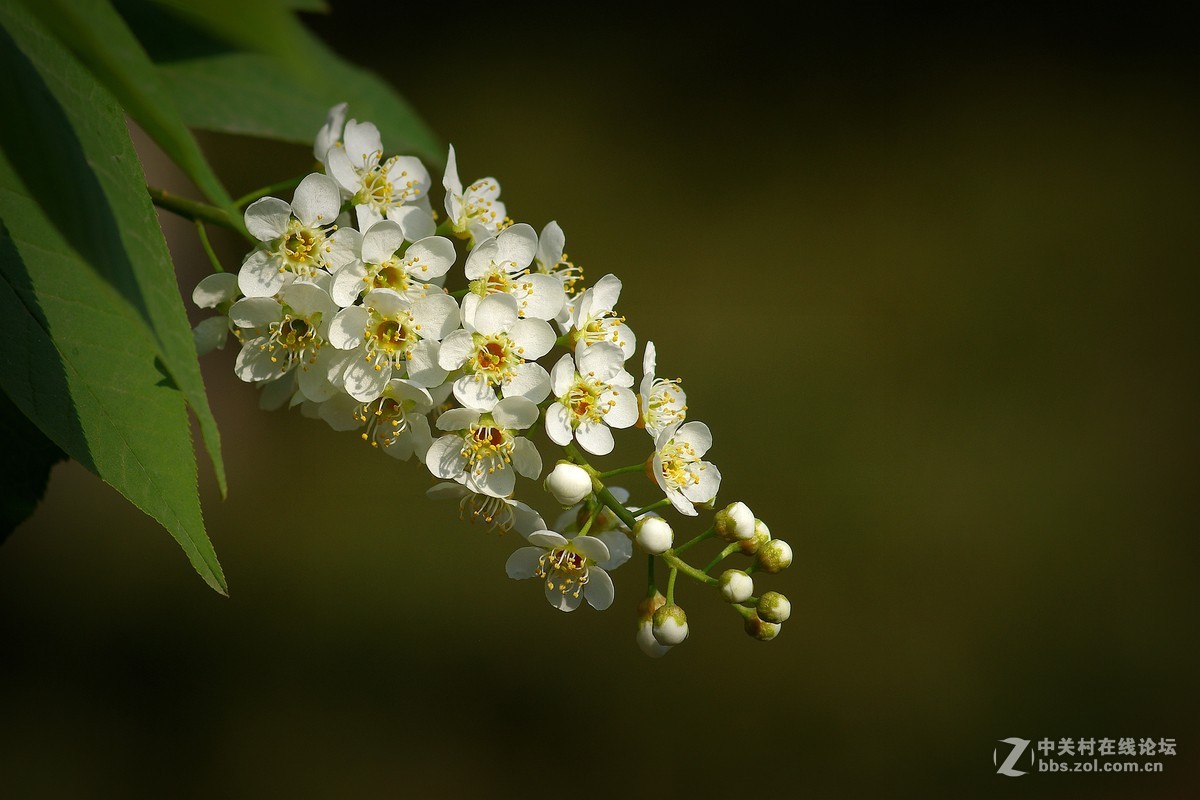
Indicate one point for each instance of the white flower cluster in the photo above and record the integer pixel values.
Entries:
(343, 310)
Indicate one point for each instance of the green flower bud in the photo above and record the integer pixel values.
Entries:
(774, 607)
(670, 625)
(736, 586)
(734, 522)
(775, 556)
(654, 535)
(760, 629)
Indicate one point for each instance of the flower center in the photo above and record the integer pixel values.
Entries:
(583, 401)
(564, 570)
(376, 189)
(664, 404)
(301, 244)
(680, 464)
(390, 276)
(494, 511)
(388, 338)
(487, 447)
(296, 340)
(495, 358)
(385, 421)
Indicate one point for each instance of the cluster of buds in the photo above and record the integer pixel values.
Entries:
(347, 311)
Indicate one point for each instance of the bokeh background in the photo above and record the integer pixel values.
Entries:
(931, 282)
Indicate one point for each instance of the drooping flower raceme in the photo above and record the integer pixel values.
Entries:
(592, 394)
(350, 315)
(483, 449)
(295, 236)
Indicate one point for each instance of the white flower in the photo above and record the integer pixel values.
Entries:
(285, 333)
(502, 514)
(214, 291)
(294, 234)
(395, 422)
(663, 402)
(501, 264)
(386, 264)
(389, 336)
(375, 188)
(572, 569)
(551, 259)
(595, 321)
(483, 449)
(593, 394)
(568, 483)
(496, 352)
(678, 468)
(477, 212)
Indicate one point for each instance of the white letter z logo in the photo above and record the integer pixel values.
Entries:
(1018, 747)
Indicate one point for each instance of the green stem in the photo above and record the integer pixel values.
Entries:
(708, 534)
(290, 183)
(652, 507)
(671, 585)
(601, 491)
(733, 548)
(193, 210)
(591, 518)
(687, 569)
(202, 232)
(612, 473)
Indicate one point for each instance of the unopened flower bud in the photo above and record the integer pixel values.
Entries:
(734, 522)
(736, 586)
(568, 483)
(670, 625)
(774, 607)
(654, 535)
(645, 639)
(649, 605)
(762, 535)
(775, 556)
(761, 629)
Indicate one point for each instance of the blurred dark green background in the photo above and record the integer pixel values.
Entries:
(929, 280)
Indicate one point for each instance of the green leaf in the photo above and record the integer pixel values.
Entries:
(84, 273)
(73, 152)
(255, 94)
(25, 468)
(98, 36)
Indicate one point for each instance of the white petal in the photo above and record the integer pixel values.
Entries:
(455, 351)
(381, 241)
(276, 393)
(624, 411)
(362, 142)
(255, 312)
(267, 218)
(529, 381)
(602, 361)
(433, 254)
(591, 547)
(388, 302)
(260, 275)
(480, 259)
(215, 289)
(526, 459)
(348, 327)
(547, 539)
(457, 419)
(551, 244)
(341, 168)
(526, 519)
(626, 339)
(447, 490)
(707, 488)
(419, 435)
(450, 180)
(423, 366)
(436, 316)
(367, 216)
(568, 601)
(307, 299)
(544, 296)
(523, 563)
(445, 458)
(561, 377)
(595, 437)
(317, 200)
(331, 132)
(695, 434)
(681, 503)
(313, 379)
(474, 393)
(364, 382)
(599, 591)
(515, 413)
(533, 336)
(348, 283)
(210, 334)
(620, 548)
(518, 244)
(344, 246)
(254, 363)
(648, 361)
(470, 303)
(558, 424)
(497, 484)
(411, 394)
(340, 411)
(496, 313)
(416, 222)
(605, 294)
